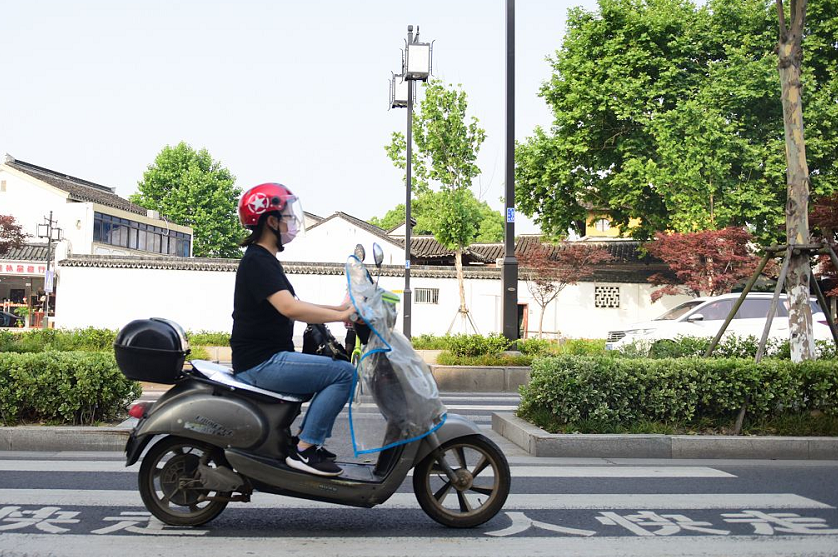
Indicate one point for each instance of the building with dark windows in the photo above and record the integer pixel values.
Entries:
(93, 220)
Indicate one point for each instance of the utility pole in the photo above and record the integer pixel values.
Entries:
(407, 302)
(509, 277)
(52, 233)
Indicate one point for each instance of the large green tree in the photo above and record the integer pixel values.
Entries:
(670, 112)
(192, 189)
(447, 144)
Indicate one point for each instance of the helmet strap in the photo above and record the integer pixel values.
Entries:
(278, 235)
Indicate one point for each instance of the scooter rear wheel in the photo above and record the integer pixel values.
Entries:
(480, 491)
(169, 484)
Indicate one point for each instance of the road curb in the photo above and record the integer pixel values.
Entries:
(538, 442)
(63, 438)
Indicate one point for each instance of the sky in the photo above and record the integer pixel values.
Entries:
(291, 92)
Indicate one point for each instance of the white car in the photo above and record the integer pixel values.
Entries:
(703, 317)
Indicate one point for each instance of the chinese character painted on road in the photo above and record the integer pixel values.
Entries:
(788, 523)
(44, 519)
(520, 523)
(143, 523)
(649, 523)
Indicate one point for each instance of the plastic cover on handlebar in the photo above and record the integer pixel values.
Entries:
(395, 398)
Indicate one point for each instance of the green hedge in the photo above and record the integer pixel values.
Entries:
(87, 340)
(62, 340)
(622, 391)
(731, 346)
(70, 388)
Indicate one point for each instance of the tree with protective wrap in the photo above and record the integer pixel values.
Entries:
(447, 143)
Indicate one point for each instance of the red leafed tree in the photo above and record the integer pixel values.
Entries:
(548, 269)
(710, 262)
(824, 220)
(11, 234)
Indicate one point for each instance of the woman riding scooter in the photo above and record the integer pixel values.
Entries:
(264, 310)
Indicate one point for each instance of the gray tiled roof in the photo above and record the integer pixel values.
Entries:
(79, 190)
(231, 265)
(29, 252)
(426, 247)
(612, 273)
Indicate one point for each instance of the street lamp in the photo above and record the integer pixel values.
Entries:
(416, 66)
(509, 275)
(52, 234)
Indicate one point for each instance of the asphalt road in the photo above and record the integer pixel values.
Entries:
(86, 504)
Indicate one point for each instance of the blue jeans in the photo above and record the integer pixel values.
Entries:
(303, 374)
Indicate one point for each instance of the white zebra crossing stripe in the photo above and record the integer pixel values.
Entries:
(517, 471)
(539, 501)
(684, 546)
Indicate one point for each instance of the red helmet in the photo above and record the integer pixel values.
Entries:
(262, 199)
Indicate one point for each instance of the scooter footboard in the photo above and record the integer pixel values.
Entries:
(455, 426)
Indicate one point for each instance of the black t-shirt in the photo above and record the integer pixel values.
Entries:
(259, 330)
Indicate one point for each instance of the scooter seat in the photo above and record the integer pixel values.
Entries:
(224, 375)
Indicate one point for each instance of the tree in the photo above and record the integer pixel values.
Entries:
(703, 263)
(790, 52)
(548, 269)
(669, 113)
(447, 144)
(191, 189)
(490, 229)
(12, 235)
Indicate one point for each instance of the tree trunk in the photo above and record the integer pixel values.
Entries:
(790, 53)
(541, 321)
(458, 263)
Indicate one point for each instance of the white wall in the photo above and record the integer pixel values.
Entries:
(203, 300)
(29, 204)
(334, 240)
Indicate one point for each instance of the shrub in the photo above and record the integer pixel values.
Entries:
(477, 345)
(40, 340)
(582, 346)
(538, 346)
(623, 391)
(208, 338)
(63, 387)
(730, 346)
(430, 342)
(491, 360)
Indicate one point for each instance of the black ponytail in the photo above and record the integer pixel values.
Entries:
(256, 231)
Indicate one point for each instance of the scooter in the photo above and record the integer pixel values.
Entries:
(219, 440)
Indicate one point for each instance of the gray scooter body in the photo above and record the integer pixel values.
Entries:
(254, 431)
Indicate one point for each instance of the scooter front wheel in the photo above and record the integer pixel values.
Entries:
(480, 490)
(169, 482)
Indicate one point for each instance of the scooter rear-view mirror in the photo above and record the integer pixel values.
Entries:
(378, 255)
(359, 252)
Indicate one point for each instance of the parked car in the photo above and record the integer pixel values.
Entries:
(703, 317)
(9, 319)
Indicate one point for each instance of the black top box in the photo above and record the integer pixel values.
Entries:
(151, 350)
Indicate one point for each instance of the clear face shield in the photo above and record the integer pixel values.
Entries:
(294, 220)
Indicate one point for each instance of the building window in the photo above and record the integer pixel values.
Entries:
(603, 225)
(124, 233)
(426, 296)
(607, 296)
